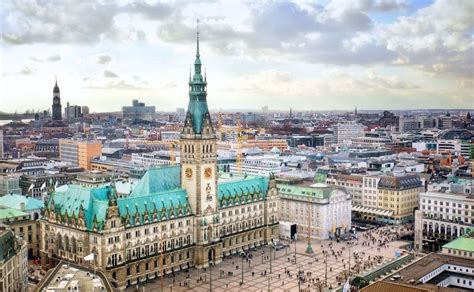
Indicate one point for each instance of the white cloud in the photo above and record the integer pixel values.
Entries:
(51, 58)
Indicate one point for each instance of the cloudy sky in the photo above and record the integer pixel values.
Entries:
(323, 55)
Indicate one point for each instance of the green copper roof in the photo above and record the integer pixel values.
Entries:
(165, 205)
(197, 108)
(94, 202)
(6, 213)
(317, 192)
(157, 194)
(157, 180)
(465, 243)
(15, 201)
(241, 190)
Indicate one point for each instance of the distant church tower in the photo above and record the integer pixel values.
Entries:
(199, 168)
(56, 103)
(355, 111)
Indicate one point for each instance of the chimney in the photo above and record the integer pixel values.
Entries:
(22, 206)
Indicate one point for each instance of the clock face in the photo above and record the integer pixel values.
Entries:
(208, 172)
(188, 172)
(56, 101)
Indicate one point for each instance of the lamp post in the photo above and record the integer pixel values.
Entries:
(295, 250)
(210, 276)
(349, 260)
(326, 273)
(242, 254)
(271, 247)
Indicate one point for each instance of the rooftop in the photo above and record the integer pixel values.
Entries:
(15, 201)
(6, 213)
(69, 277)
(465, 243)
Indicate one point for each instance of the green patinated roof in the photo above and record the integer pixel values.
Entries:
(93, 200)
(465, 243)
(317, 192)
(173, 203)
(15, 201)
(159, 188)
(240, 190)
(6, 213)
(157, 180)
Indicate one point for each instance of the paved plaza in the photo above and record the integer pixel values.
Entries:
(282, 276)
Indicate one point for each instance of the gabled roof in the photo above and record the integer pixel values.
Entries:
(15, 200)
(94, 202)
(240, 190)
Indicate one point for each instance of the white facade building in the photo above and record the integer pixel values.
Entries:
(443, 216)
(328, 208)
(347, 132)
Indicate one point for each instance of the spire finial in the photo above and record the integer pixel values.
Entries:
(56, 79)
(197, 40)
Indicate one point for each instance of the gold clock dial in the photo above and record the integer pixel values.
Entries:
(208, 172)
(188, 172)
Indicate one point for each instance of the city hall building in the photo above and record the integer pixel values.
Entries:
(176, 217)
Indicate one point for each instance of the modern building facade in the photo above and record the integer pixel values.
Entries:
(9, 184)
(79, 153)
(347, 132)
(138, 110)
(176, 217)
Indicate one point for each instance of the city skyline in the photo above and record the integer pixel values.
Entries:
(333, 55)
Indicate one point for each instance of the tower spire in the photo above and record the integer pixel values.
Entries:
(197, 39)
(56, 79)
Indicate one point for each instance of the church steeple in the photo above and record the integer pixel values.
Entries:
(56, 107)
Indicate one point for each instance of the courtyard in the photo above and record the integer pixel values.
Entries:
(280, 273)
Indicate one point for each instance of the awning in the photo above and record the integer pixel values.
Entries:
(372, 211)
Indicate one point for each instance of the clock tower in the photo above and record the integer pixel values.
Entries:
(56, 108)
(198, 168)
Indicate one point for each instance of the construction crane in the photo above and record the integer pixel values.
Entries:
(219, 125)
(238, 156)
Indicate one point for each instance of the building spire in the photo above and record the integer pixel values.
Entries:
(56, 79)
(197, 39)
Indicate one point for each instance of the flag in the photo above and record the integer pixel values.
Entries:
(31, 187)
(347, 286)
(43, 186)
(89, 257)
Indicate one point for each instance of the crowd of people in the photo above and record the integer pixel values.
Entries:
(356, 256)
